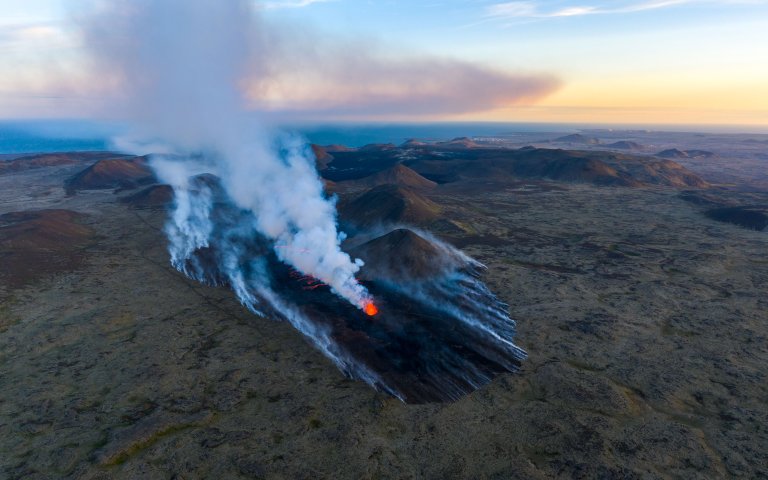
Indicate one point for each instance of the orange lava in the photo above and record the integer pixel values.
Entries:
(370, 309)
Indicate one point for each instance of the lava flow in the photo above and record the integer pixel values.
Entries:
(370, 309)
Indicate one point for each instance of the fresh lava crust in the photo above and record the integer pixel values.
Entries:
(370, 309)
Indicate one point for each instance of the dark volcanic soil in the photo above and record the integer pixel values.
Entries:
(645, 323)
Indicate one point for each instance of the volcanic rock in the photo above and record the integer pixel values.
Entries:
(388, 204)
(112, 173)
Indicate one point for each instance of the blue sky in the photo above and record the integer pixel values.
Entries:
(634, 60)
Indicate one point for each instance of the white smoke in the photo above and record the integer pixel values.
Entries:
(181, 64)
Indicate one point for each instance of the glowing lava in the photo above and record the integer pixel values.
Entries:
(370, 309)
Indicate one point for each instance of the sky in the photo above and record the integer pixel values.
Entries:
(591, 61)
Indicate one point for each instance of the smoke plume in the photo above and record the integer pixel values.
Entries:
(180, 64)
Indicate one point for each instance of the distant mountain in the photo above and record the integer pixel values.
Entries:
(578, 138)
(626, 145)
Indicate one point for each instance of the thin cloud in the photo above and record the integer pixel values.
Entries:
(527, 9)
(291, 4)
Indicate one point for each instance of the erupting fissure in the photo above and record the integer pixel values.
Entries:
(370, 309)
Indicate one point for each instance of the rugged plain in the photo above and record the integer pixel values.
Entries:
(645, 322)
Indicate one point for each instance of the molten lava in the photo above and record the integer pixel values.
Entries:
(370, 309)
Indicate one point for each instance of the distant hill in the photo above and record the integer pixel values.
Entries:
(576, 166)
(31, 162)
(675, 153)
(565, 166)
(377, 147)
(626, 145)
(397, 175)
(578, 138)
(462, 142)
(389, 205)
(412, 142)
(447, 164)
(112, 173)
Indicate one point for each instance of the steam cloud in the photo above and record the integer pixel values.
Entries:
(181, 62)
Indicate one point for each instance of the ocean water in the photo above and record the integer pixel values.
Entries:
(41, 136)
(31, 136)
(78, 135)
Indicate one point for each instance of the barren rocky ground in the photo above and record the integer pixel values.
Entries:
(645, 323)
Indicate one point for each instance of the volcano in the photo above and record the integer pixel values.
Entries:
(388, 205)
(398, 175)
(112, 173)
(37, 243)
(402, 254)
(433, 332)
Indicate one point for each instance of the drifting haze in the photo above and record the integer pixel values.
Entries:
(287, 74)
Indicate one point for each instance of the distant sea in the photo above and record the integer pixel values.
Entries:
(41, 136)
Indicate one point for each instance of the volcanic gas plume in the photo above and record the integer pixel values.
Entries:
(250, 212)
